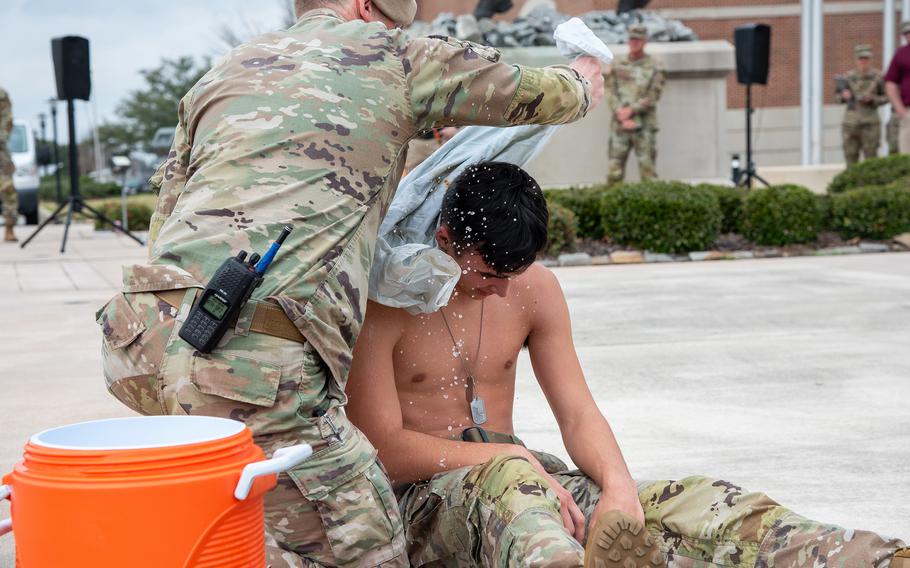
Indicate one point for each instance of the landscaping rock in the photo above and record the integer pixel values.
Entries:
(742, 254)
(657, 257)
(903, 240)
(600, 260)
(873, 247)
(575, 259)
(536, 25)
(834, 251)
(706, 255)
(627, 257)
(548, 262)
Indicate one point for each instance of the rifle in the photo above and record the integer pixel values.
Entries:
(841, 84)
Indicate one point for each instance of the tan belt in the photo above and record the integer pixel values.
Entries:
(268, 318)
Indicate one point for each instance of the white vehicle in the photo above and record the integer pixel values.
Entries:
(21, 146)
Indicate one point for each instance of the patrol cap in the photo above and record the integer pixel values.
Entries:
(863, 50)
(638, 31)
(905, 26)
(402, 12)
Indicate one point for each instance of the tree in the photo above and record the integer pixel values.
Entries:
(146, 110)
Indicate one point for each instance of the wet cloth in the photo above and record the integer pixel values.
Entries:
(408, 271)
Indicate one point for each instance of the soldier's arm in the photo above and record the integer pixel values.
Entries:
(6, 116)
(652, 95)
(880, 97)
(455, 83)
(170, 178)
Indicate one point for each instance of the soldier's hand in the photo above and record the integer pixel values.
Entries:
(590, 68)
(624, 113)
(846, 94)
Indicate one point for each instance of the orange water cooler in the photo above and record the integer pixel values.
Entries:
(143, 492)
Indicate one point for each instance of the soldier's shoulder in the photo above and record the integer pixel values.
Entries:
(4, 96)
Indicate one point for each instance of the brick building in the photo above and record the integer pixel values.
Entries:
(847, 22)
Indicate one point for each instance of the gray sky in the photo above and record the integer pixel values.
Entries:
(125, 36)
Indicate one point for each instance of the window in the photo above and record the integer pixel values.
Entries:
(17, 141)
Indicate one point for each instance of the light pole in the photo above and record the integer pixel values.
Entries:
(53, 103)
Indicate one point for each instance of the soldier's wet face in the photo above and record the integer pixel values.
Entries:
(478, 279)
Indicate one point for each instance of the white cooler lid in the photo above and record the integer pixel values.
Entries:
(139, 432)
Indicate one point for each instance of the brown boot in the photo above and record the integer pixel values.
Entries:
(619, 541)
(901, 559)
(10, 235)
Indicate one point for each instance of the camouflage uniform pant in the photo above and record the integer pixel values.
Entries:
(893, 133)
(864, 138)
(10, 200)
(335, 509)
(502, 514)
(622, 142)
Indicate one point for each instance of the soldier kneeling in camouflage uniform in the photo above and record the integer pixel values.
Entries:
(420, 384)
(863, 91)
(304, 127)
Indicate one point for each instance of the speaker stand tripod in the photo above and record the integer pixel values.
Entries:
(75, 203)
(747, 175)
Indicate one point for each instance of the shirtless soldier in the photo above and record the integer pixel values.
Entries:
(419, 382)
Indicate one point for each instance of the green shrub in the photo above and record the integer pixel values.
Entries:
(877, 212)
(139, 215)
(662, 216)
(781, 215)
(731, 204)
(874, 171)
(88, 188)
(586, 204)
(562, 230)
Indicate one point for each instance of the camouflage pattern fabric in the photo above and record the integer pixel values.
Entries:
(892, 133)
(502, 513)
(337, 508)
(860, 138)
(304, 127)
(644, 142)
(861, 127)
(637, 84)
(8, 194)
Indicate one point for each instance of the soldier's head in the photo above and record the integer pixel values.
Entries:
(493, 223)
(392, 13)
(638, 37)
(863, 55)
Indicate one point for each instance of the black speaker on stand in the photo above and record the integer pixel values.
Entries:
(71, 67)
(753, 60)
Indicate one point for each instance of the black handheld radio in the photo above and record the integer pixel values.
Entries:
(227, 292)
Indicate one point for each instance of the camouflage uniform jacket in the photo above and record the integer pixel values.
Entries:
(309, 127)
(637, 84)
(6, 127)
(871, 84)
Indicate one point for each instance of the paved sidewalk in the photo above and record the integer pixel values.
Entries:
(790, 376)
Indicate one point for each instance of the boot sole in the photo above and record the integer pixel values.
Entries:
(618, 541)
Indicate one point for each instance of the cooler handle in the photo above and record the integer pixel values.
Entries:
(282, 460)
(6, 525)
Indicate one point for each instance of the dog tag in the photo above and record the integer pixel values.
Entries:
(478, 411)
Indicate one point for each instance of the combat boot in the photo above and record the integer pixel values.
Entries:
(901, 559)
(619, 541)
(10, 235)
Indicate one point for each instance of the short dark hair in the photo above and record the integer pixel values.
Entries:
(499, 210)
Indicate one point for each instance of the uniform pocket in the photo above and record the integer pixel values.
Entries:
(361, 519)
(136, 329)
(236, 377)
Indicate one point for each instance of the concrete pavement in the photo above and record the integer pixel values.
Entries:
(790, 376)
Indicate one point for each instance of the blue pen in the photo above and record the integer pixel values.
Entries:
(263, 264)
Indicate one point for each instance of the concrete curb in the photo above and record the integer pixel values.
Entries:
(647, 257)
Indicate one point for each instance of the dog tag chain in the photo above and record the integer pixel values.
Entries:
(478, 407)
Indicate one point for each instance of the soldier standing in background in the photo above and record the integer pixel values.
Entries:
(636, 83)
(863, 90)
(7, 190)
